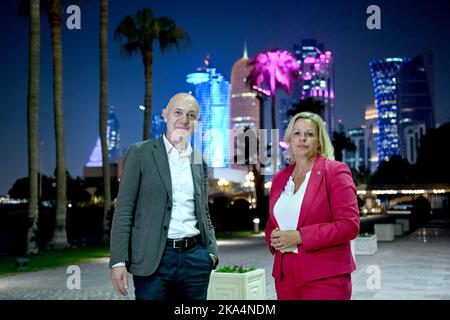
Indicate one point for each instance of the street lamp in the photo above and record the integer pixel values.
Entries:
(256, 222)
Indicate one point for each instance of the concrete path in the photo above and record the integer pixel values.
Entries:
(413, 266)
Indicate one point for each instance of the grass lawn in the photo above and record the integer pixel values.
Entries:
(54, 258)
(65, 257)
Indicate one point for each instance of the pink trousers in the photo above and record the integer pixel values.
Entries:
(292, 288)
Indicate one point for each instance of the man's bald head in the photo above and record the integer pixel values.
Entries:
(183, 99)
(181, 116)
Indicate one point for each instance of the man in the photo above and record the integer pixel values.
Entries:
(161, 230)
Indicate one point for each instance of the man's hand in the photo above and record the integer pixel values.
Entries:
(119, 277)
(281, 240)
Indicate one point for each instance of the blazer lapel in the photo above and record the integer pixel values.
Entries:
(196, 169)
(162, 162)
(315, 179)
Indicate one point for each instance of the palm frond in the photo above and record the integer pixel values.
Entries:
(169, 34)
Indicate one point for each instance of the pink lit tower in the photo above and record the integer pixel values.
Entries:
(244, 103)
(316, 76)
(245, 106)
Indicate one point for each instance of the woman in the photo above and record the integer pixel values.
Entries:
(313, 216)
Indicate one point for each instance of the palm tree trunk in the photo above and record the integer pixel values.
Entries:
(60, 236)
(148, 60)
(104, 115)
(33, 124)
(274, 138)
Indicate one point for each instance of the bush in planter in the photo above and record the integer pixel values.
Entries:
(235, 269)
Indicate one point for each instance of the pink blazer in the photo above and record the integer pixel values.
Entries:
(329, 219)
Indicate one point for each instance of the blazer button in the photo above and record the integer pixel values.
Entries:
(166, 227)
(169, 208)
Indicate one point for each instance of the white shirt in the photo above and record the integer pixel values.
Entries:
(183, 220)
(287, 208)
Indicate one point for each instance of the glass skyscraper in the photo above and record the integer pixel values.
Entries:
(317, 82)
(113, 139)
(213, 94)
(403, 95)
(385, 79)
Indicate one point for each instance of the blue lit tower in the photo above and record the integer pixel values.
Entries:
(113, 139)
(158, 126)
(385, 79)
(213, 94)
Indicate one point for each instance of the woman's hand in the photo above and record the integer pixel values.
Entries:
(281, 240)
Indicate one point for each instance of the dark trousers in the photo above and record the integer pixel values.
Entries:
(183, 274)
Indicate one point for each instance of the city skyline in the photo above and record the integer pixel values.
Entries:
(218, 29)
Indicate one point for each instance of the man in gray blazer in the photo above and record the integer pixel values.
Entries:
(161, 230)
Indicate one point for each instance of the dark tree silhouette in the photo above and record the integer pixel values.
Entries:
(341, 142)
(307, 105)
(395, 171)
(433, 156)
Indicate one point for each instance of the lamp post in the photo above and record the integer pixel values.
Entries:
(256, 222)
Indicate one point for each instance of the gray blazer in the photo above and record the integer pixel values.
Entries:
(143, 210)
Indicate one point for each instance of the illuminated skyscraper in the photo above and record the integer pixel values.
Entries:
(113, 139)
(245, 107)
(244, 110)
(385, 78)
(416, 107)
(213, 94)
(403, 94)
(93, 167)
(158, 126)
(371, 128)
(316, 81)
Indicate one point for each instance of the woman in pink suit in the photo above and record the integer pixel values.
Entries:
(313, 216)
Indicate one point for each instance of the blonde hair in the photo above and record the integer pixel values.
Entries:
(325, 147)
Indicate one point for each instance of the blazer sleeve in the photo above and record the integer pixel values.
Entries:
(212, 243)
(344, 209)
(270, 225)
(268, 231)
(125, 207)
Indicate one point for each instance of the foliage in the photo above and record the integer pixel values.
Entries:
(274, 67)
(395, 171)
(341, 142)
(235, 269)
(433, 154)
(307, 105)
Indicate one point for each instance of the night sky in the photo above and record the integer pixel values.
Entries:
(215, 27)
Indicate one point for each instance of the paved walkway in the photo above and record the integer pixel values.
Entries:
(413, 266)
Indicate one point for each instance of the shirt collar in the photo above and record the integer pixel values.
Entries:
(170, 148)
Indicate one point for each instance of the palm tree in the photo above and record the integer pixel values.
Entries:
(33, 122)
(340, 143)
(104, 114)
(273, 68)
(54, 11)
(250, 156)
(136, 35)
(309, 105)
